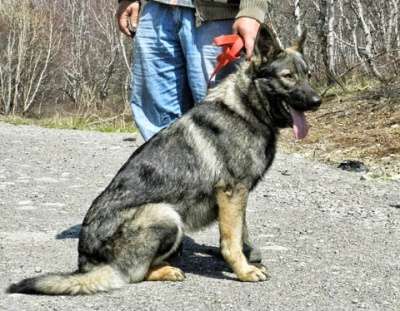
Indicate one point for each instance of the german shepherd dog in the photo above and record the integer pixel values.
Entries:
(198, 170)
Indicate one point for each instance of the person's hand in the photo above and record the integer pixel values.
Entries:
(247, 28)
(128, 17)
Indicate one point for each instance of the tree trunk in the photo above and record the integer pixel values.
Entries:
(367, 51)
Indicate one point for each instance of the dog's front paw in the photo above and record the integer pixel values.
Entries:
(254, 274)
(165, 273)
(175, 275)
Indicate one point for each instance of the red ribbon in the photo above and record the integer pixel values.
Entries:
(232, 45)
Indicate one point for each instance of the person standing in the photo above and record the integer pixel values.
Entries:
(173, 51)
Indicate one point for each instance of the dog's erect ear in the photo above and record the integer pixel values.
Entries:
(267, 45)
(299, 44)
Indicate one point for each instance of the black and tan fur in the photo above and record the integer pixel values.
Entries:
(198, 170)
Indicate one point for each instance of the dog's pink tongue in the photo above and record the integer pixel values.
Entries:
(300, 126)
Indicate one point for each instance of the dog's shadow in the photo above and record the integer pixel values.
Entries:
(201, 259)
(192, 257)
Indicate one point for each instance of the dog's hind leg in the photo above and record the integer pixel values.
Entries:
(232, 203)
(141, 244)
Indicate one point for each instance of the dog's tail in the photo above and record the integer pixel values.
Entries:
(100, 279)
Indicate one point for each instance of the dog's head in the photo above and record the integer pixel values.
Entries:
(281, 76)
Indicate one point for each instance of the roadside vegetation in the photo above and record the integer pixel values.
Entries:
(360, 124)
(63, 64)
(118, 124)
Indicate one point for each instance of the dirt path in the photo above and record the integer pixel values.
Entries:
(331, 241)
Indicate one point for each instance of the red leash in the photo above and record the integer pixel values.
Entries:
(232, 45)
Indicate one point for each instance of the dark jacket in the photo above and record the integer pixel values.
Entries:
(207, 10)
(210, 10)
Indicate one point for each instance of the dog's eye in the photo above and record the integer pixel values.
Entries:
(288, 75)
(309, 75)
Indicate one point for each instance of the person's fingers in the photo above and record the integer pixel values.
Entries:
(123, 22)
(247, 43)
(124, 25)
(235, 30)
(134, 15)
(249, 46)
(247, 28)
(127, 14)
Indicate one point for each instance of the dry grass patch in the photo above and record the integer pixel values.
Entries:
(361, 125)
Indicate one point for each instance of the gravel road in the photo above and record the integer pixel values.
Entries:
(330, 239)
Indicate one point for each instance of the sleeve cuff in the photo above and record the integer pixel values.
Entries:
(255, 13)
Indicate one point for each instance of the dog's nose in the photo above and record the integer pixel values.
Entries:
(316, 101)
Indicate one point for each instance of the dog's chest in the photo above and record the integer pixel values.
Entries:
(198, 214)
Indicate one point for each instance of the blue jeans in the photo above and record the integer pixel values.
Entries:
(172, 62)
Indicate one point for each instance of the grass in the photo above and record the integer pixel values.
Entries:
(116, 124)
